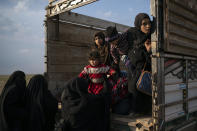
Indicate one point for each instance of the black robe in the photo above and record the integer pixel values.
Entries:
(12, 107)
(84, 111)
(41, 105)
(141, 103)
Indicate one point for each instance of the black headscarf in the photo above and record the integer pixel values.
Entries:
(41, 105)
(17, 78)
(134, 35)
(13, 92)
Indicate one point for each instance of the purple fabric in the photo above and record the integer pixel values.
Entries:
(110, 39)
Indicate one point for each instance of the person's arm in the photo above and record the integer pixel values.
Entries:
(114, 53)
(123, 44)
(83, 74)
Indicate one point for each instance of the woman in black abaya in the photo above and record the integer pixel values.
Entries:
(139, 56)
(83, 111)
(12, 107)
(41, 105)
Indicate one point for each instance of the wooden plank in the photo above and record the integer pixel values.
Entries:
(183, 32)
(190, 5)
(77, 34)
(183, 42)
(65, 76)
(132, 121)
(69, 60)
(65, 68)
(173, 18)
(179, 10)
(68, 43)
(67, 50)
(181, 50)
(66, 5)
(52, 29)
(90, 21)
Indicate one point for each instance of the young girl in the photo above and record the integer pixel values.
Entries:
(103, 48)
(96, 72)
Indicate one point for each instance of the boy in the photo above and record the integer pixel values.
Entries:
(96, 72)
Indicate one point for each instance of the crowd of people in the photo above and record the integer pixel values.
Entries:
(88, 99)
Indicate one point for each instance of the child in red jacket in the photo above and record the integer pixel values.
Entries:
(96, 72)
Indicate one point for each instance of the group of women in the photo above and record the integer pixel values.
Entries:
(83, 111)
(30, 108)
(133, 47)
(34, 108)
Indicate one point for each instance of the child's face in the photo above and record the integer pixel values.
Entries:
(114, 42)
(98, 41)
(94, 62)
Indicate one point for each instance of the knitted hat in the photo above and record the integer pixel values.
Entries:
(111, 33)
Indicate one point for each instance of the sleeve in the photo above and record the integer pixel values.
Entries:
(115, 54)
(111, 71)
(123, 45)
(130, 35)
(84, 73)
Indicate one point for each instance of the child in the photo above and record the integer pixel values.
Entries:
(118, 46)
(96, 72)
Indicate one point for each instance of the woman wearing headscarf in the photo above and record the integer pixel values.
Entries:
(12, 107)
(40, 104)
(139, 56)
(141, 60)
(84, 111)
(124, 47)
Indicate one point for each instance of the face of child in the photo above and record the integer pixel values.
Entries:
(114, 42)
(148, 45)
(98, 41)
(145, 26)
(94, 62)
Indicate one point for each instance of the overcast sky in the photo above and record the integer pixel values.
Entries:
(22, 30)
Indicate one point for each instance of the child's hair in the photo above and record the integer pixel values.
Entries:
(100, 34)
(93, 55)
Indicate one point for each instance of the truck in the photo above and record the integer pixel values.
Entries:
(174, 59)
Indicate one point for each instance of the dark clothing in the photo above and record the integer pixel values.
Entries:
(139, 56)
(41, 105)
(127, 41)
(82, 110)
(12, 107)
